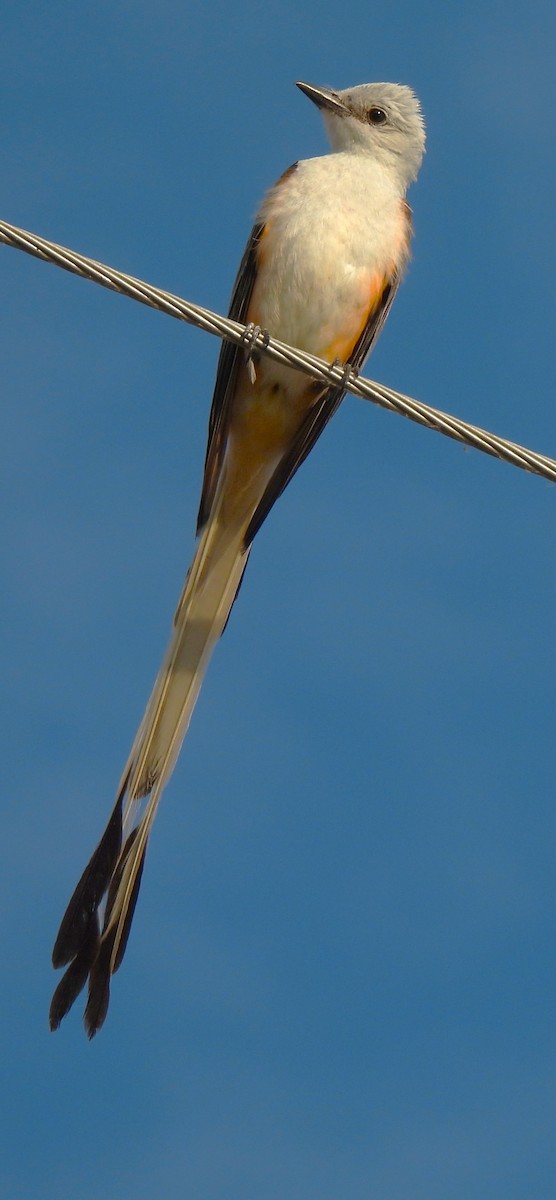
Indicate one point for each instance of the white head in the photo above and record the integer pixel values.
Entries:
(383, 120)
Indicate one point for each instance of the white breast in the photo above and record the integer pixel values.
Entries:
(331, 224)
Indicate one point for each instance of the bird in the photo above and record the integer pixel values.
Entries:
(328, 248)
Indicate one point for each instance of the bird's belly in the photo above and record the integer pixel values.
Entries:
(313, 308)
(317, 282)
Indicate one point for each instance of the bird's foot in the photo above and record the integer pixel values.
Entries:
(249, 338)
(348, 372)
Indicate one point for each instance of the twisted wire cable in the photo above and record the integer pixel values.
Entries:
(259, 342)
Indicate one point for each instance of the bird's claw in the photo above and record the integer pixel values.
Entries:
(249, 338)
(348, 372)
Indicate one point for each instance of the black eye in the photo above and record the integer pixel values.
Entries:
(377, 116)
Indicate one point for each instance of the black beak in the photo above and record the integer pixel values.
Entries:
(323, 98)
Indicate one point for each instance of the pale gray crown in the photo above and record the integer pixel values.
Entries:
(381, 119)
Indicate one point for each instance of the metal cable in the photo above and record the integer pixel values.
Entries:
(203, 318)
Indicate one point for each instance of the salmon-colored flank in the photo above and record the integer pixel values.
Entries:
(342, 344)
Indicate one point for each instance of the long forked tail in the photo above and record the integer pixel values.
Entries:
(115, 868)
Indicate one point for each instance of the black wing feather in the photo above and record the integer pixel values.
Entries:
(229, 362)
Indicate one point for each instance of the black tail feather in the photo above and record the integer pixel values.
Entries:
(99, 988)
(102, 968)
(130, 842)
(75, 978)
(79, 916)
(117, 876)
(80, 941)
(129, 914)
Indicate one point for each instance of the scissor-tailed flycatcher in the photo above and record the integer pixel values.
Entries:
(320, 271)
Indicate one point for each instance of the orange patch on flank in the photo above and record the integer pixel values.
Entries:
(261, 427)
(342, 344)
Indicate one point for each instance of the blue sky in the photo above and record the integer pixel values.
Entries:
(340, 981)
